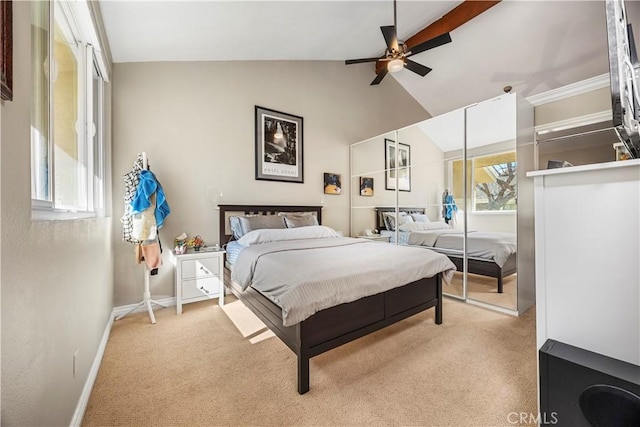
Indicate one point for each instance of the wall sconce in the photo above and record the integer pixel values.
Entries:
(215, 197)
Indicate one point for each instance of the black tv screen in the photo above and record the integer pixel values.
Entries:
(623, 61)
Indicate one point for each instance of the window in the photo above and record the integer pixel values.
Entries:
(67, 160)
(492, 180)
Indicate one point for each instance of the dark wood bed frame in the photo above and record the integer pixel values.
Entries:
(474, 265)
(332, 327)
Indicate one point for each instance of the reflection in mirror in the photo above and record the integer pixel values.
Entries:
(369, 179)
(428, 214)
(578, 145)
(491, 203)
(457, 194)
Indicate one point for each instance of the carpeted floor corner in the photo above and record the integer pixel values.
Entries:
(197, 369)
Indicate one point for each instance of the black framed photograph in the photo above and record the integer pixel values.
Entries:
(397, 163)
(366, 186)
(6, 50)
(332, 183)
(278, 146)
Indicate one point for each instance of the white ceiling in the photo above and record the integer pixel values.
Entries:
(534, 46)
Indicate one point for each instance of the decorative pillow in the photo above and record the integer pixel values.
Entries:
(419, 217)
(390, 219)
(292, 221)
(236, 228)
(423, 226)
(275, 235)
(241, 225)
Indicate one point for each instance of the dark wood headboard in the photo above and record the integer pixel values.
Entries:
(230, 210)
(380, 211)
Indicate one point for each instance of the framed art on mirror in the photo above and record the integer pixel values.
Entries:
(278, 146)
(397, 162)
(6, 50)
(366, 186)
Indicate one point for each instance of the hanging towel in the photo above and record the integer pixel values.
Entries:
(147, 186)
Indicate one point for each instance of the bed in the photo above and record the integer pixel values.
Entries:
(337, 324)
(491, 254)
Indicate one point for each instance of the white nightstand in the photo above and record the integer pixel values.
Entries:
(377, 238)
(199, 276)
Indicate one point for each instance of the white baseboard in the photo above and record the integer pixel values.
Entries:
(117, 311)
(76, 421)
(91, 378)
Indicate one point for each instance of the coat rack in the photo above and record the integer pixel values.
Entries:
(146, 295)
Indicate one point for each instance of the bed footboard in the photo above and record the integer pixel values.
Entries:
(335, 326)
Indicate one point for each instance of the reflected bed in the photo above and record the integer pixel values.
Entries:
(490, 254)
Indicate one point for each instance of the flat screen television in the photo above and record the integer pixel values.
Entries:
(623, 61)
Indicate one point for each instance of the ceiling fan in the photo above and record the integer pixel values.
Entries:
(397, 53)
(424, 38)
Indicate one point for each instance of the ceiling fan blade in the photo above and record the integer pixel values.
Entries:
(360, 61)
(390, 36)
(416, 68)
(430, 44)
(379, 77)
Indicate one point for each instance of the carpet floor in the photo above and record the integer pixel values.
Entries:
(198, 369)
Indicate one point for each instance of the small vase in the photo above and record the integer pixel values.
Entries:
(196, 248)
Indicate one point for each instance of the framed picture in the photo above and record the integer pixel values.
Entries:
(366, 186)
(6, 50)
(332, 183)
(397, 163)
(278, 146)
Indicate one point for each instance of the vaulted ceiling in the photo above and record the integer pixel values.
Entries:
(533, 46)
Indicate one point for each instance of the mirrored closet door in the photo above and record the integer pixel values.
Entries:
(453, 183)
(432, 217)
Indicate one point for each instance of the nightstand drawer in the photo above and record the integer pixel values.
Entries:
(206, 287)
(194, 268)
(198, 277)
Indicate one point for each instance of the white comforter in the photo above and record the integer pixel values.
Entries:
(306, 276)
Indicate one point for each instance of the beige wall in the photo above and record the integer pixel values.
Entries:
(591, 102)
(57, 276)
(195, 120)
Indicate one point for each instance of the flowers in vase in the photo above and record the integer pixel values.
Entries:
(195, 242)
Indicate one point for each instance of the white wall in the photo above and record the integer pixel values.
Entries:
(57, 276)
(195, 120)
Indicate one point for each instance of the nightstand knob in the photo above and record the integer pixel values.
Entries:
(204, 269)
(204, 290)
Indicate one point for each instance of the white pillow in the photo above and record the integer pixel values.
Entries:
(420, 217)
(300, 221)
(277, 235)
(423, 226)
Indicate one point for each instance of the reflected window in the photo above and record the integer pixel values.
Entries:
(495, 183)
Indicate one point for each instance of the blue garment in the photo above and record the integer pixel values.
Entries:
(146, 187)
(450, 207)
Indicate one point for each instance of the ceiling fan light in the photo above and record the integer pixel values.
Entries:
(395, 65)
